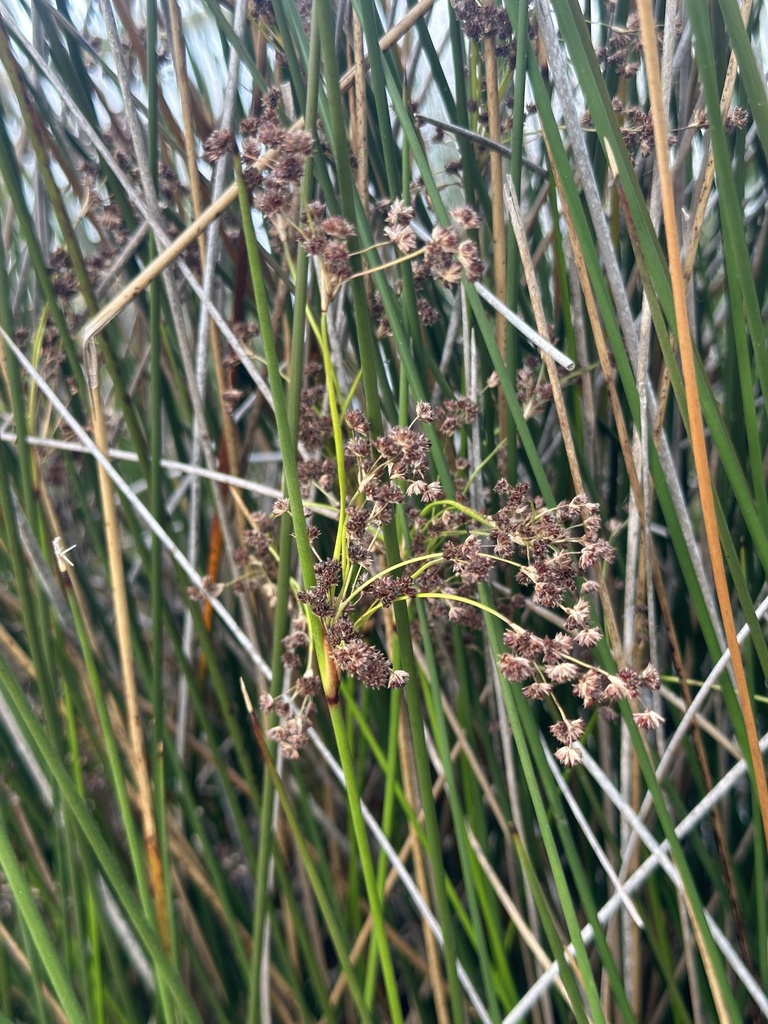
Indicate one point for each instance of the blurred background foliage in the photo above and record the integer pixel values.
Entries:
(321, 339)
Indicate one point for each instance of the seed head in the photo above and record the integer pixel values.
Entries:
(218, 144)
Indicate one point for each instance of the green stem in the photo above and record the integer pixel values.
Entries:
(157, 505)
(366, 862)
(39, 934)
(104, 856)
(347, 194)
(340, 547)
(280, 624)
(288, 448)
(308, 862)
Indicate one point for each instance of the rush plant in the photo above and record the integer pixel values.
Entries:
(383, 513)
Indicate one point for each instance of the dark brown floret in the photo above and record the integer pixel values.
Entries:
(465, 217)
(356, 421)
(209, 589)
(338, 227)
(647, 719)
(271, 133)
(402, 236)
(468, 561)
(428, 315)
(469, 258)
(524, 643)
(737, 119)
(358, 447)
(312, 241)
(406, 453)
(317, 471)
(589, 689)
(335, 256)
(479, 20)
(309, 686)
(599, 550)
(218, 144)
(426, 491)
(388, 589)
(569, 756)
(537, 691)
(291, 737)
(317, 600)
(288, 169)
(328, 573)
(360, 554)
(567, 731)
(456, 413)
(399, 213)
(650, 677)
(273, 198)
(388, 494)
(110, 218)
(397, 679)
(357, 658)
(316, 210)
(261, 10)
(464, 615)
(357, 521)
(251, 151)
(439, 253)
(298, 143)
(515, 668)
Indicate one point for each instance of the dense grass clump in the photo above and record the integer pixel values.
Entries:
(383, 512)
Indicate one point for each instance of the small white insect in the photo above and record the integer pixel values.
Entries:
(61, 554)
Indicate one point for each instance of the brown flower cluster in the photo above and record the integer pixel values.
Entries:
(325, 237)
(273, 157)
(398, 229)
(736, 120)
(218, 144)
(480, 20)
(261, 11)
(623, 48)
(110, 220)
(550, 550)
(446, 256)
(542, 664)
(209, 589)
(61, 275)
(637, 130)
(357, 657)
(394, 467)
(456, 413)
(291, 734)
(255, 557)
(533, 392)
(350, 652)
(315, 427)
(388, 469)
